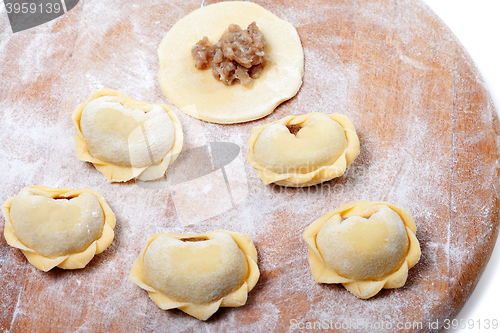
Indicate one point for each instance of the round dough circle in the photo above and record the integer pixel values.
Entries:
(197, 93)
(364, 248)
(195, 271)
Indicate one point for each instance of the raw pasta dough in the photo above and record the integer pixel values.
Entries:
(321, 150)
(125, 138)
(197, 93)
(58, 227)
(197, 273)
(366, 246)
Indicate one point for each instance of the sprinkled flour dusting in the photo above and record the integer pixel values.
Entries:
(393, 69)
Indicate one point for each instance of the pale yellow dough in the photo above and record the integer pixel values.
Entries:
(126, 138)
(58, 226)
(366, 246)
(322, 149)
(197, 93)
(197, 273)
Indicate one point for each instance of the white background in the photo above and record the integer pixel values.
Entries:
(476, 23)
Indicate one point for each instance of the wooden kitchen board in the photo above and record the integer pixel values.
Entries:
(428, 133)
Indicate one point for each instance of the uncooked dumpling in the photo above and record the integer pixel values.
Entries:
(322, 149)
(366, 246)
(125, 138)
(197, 93)
(197, 273)
(58, 227)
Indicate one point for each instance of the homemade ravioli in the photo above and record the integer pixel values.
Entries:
(126, 138)
(197, 273)
(57, 226)
(199, 94)
(322, 148)
(366, 246)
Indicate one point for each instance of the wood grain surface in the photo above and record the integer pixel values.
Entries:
(429, 143)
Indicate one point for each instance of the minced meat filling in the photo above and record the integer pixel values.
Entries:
(238, 56)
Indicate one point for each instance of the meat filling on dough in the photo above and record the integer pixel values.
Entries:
(238, 56)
